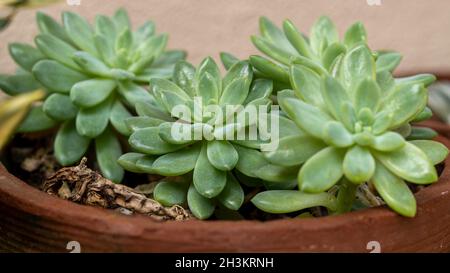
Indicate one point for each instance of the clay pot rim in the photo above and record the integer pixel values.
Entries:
(17, 193)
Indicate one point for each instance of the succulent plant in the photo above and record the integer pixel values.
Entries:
(211, 157)
(321, 52)
(94, 77)
(350, 126)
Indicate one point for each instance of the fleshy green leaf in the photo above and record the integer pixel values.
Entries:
(418, 133)
(128, 162)
(271, 50)
(25, 55)
(409, 163)
(200, 206)
(135, 94)
(358, 64)
(49, 26)
(424, 115)
(177, 163)
(18, 84)
(59, 107)
(394, 191)
(405, 103)
(321, 171)
(294, 150)
(236, 92)
(228, 60)
(91, 122)
(296, 39)
(273, 34)
(222, 155)
(148, 141)
(331, 55)
(91, 64)
(250, 161)
(435, 151)
(323, 32)
(270, 69)
(286, 201)
(56, 76)
(261, 88)
(183, 76)
(335, 134)
(108, 151)
(208, 180)
(79, 31)
(56, 49)
(306, 116)
(275, 173)
(389, 141)
(358, 165)
(367, 95)
(91, 92)
(121, 20)
(149, 110)
(334, 96)
(208, 65)
(425, 79)
(69, 145)
(170, 193)
(388, 61)
(35, 121)
(118, 116)
(232, 196)
(306, 84)
(136, 123)
(355, 35)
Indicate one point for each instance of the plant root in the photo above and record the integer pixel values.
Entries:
(85, 186)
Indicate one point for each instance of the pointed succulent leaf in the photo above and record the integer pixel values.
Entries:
(337, 135)
(170, 193)
(25, 55)
(394, 191)
(79, 31)
(56, 76)
(228, 60)
(386, 82)
(383, 121)
(277, 174)
(389, 141)
(273, 34)
(69, 145)
(321, 171)
(388, 61)
(348, 116)
(148, 141)
(91, 92)
(208, 180)
(331, 54)
(315, 66)
(250, 161)
(286, 201)
(334, 96)
(418, 133)
(222, 155)
(271, 50)
(309, 118)
(296, 39)
(236, 92)
(178, 162)
(425, 79)
(435, 151)
(136, 123)
(56, 49)
(121, 20)
(129, 162)
(355, 35)
(47, 25)
(124, 40)
(358, 64)
(18, 84)
(261, 88)
(405, 103)
(367, 95)
(240, 69)
(91, 64)
(200, 206)
(108, 150)
(409, 163)
(91, 122)
(207, 88)
(306, 84)
(105, 27)
(424, 115)
(183, 76)
(163, 85)
(134, 94)
(35, 121)
(59, 107)
(117, 117)
(175, 132)
(149, 110)
(232, 196)
(358, 165)
(209, 65)
(169, 58)
(323, 32)
(270, 69)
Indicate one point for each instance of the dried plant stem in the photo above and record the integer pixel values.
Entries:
(85, 186)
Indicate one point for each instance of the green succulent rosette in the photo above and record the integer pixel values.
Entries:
(93, 75)
(321, 52)
(352, 130)
(209, 159)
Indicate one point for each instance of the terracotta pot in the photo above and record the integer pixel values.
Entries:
(32, 221)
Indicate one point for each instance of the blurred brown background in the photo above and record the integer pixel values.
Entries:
(419, 29)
